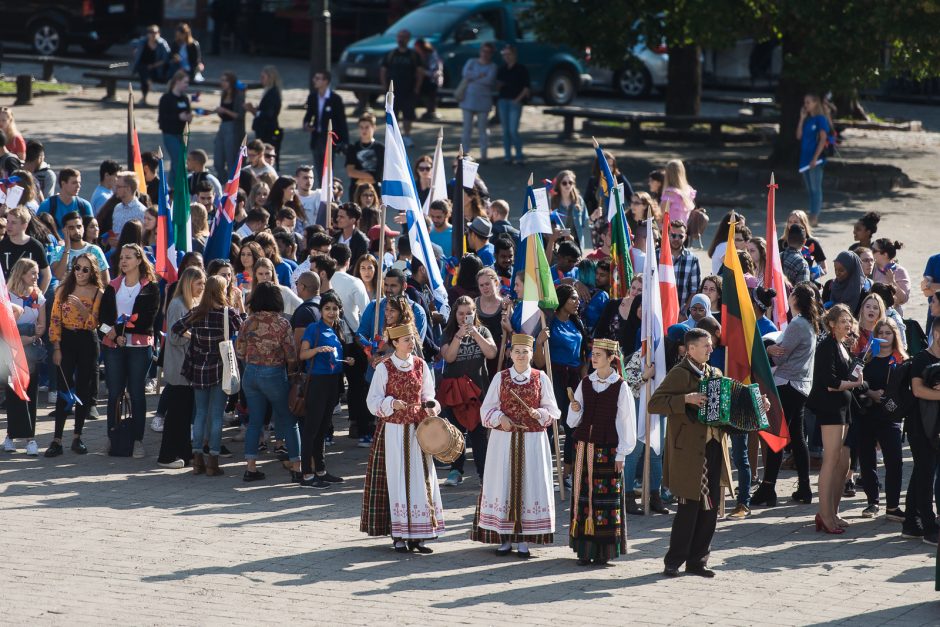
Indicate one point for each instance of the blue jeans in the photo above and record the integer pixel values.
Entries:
(743, 465)
(510, 112)
(210, 405)
(174, 148)
(126, 369)
(263, 385)
(813, 179)
(634, 461)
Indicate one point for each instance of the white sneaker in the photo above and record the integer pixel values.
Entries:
(32, 449)
(53, 397)
(157, 424)
(8, 446)
(42, 388)
(176, 463)
(151, 387)
(139, 452)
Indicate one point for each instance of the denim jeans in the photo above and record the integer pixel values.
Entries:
(743, 465)
(126, 369)
(634, 461)
(813, 179)
(210, 405)
(510, 113)
(467, 130)
(263, 385)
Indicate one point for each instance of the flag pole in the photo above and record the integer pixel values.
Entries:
(548, 370)
(379, 283)
(648, 427)
(329, 155)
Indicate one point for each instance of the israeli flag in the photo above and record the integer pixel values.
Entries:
(400, 192)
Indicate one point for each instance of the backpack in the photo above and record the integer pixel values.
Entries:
(898, 399)
(916, 338)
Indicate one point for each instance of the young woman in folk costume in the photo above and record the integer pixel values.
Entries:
(401, 496)
(517, 502)
(603, 417)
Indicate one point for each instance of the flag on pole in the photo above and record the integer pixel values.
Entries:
(668, 292)
(621, 268)
(182, 241)
(745, 356)
(438, 176)
(167, 266)
(400, 192)
(773, 272)
(538, 288)
(18, 376)
(653, 333)
(134, 162)
(326, 182)
(219, 244)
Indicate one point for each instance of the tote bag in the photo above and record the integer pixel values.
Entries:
(231, 382)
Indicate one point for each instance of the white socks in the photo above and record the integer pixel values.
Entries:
(523, 547)
(505, 546)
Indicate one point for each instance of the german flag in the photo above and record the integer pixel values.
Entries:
(745, 356)
(134, 164)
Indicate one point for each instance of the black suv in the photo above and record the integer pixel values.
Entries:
(49, 26)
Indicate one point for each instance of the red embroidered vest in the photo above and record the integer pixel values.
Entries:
(599, 418)
(405, 386)
(530, 392)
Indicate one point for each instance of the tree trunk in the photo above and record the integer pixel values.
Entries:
(684, 93)
(790, 92)
(848, 106)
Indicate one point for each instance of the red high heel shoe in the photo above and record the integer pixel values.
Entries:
(821, 526)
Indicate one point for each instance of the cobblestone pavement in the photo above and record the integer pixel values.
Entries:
(92, 540)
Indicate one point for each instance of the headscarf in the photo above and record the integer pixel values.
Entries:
(849, 291)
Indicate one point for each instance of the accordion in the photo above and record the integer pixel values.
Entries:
(732, 405)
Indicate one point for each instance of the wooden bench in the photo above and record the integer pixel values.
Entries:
(49, 62)
(636, 121)
(111, 79)
(757, 104)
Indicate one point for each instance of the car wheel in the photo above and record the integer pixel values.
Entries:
(561, 87)
(47, 38)
(633, 81)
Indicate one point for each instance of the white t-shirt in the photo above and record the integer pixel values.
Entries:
(30, 312)
(125, 298)
(718, 258)
(311, 205)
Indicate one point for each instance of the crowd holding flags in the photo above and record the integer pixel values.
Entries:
(621, 268)
(438, 176)
(167, 265)
(219, 244)
(773, 272)
(134, 162)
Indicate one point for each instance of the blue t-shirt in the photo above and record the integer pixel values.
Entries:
(319, 334)
(558, 275)
(444, 239)
(487, 256)
(284, 272)
(933, 268)
(766, 325)
(82, 206)
(592, 313)
(564, 341)
(811, 127)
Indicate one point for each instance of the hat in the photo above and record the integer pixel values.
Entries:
(611, 346)
(677, 332)
(374, 232)
(482, 227)
(523, 340)
(400, 330)
(701, 299)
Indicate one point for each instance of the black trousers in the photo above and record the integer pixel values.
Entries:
(793, 404)
(322, 396)
(79, 371)
(21, 415)
(888, 435)
(356, 395)
(920, 489)
(176, 442)
(693, 527)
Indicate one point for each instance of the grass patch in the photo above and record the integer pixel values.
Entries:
(8, 88)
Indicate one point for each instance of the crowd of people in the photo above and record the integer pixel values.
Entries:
(301, 317)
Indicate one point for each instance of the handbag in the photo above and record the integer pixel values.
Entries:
(231, 381)
(297, 393)
(121, 433)
(461, 92)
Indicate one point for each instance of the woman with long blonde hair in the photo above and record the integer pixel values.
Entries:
(15, 142)
(678, 196)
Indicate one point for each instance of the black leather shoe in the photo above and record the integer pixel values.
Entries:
(330, 478)
(657, 505)
(314, 482)
(415, 545)
(765, 494)
(505, 552)
(296, 477)
(79, 447)
(524, 554)
(701, 572)
(252, 475)
(54, 450)
(402, 549)
(671, 571)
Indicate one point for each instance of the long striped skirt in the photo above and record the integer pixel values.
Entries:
(401, 497)
(598, 512)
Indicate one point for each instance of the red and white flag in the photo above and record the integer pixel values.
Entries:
(18, 377)
(668, 292)
(773, 272)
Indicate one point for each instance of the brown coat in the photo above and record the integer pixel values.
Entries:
(685, 437)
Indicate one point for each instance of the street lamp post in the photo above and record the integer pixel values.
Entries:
(319, 36)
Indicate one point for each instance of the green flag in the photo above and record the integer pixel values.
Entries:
(182, 241)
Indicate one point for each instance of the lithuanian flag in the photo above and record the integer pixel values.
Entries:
(621, 268)
(745, 356)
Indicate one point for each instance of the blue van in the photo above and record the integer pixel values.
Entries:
(456, 29)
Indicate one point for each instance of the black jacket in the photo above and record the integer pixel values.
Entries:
(145, 307)
(265, 123)
(358, 244)
(334, 110)
(193, 54)
(830, 369)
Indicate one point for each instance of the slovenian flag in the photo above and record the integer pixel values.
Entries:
(400, 192)
(745, 356)
(219, 244)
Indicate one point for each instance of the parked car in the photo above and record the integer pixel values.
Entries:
(643, 70)
(457, 28)
(50, 26)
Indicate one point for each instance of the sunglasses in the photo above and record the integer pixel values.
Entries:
(82, 269)
(566, 183)
(424, 168)
(269, 155)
